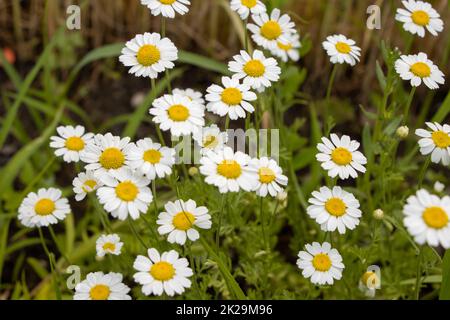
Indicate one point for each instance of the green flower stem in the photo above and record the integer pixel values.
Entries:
(51, 261)
(327, 99)
(418, 274)
(423, 171)
(136, 234)
(52, 233)
(232, 285)
(158, 130)
(408, 104)
(263, 228)
(246, 35)
(219, 225)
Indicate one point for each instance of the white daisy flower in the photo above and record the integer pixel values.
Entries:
(268, 30)
(148, 54)
(84, 183)
(43, 208)
(427, 218)
(151, 159)
(167, 8)
(418, 16)
(107, 153)
(228, 170)
(178, 114)
(342, 50)
(245, 7)
(162, 273)
(71, 142)
(321, 263)
(124, 193)
(339, 156)
(195, 96)
(257, 71)
(270, 176)
(436, 142)
(289, 49)
(210, 139)
(334, 209)
(418, 68)
(108, 244)
(100, 286)
(181, 219)
(232, 99)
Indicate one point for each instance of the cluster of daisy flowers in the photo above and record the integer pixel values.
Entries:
(119, 171)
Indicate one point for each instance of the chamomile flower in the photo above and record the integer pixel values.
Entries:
(268, 30)
(419, 16)
(334, 209)
(43, 208)
(228, 170)
(321, 263)
(339, 156)
(100, 286)
(195, 96)
(178, 114)
(167, 8)
(84, 183)
(71, 142)
(427, 218)
(436, 142)
(257, 71)
(270, 176)
(417, 68)
(162, 273)
(148, 55)
(181, 219)
(107, 153)
(246, 7)
(289, 49)
(151, 159)
(125, 192)
(108, 244)
(210, 139)
(341, 50)
(232, 99)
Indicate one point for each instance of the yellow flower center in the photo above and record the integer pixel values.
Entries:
(271, 30)
(336, 207)
(285, 47)
(75, 144)
(178, 112)
(435, 217)
(231, 96)
(89, 185)
(112, 158)
(148, 55)
(342, 47)
(369, 279)
(109, 246)
(183, 220)
(99, 292)
(153, 156)
(420, 69)
(210, 141)
(420, 18)
(321, 262)
(162, 271)
(254, 68)
(127, 191)
(341, 156)
(230, 169)
(266, 175)
(44, 207)
(441, 139)
(248, 3)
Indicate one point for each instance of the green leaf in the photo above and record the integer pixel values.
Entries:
(10, 71)
(445, 286)
(443, 111)
(203, 62)
(12, 113)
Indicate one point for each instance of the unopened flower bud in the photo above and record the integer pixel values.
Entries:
(282, 196)
(402, 132)
(193, 171)
(378, 214)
